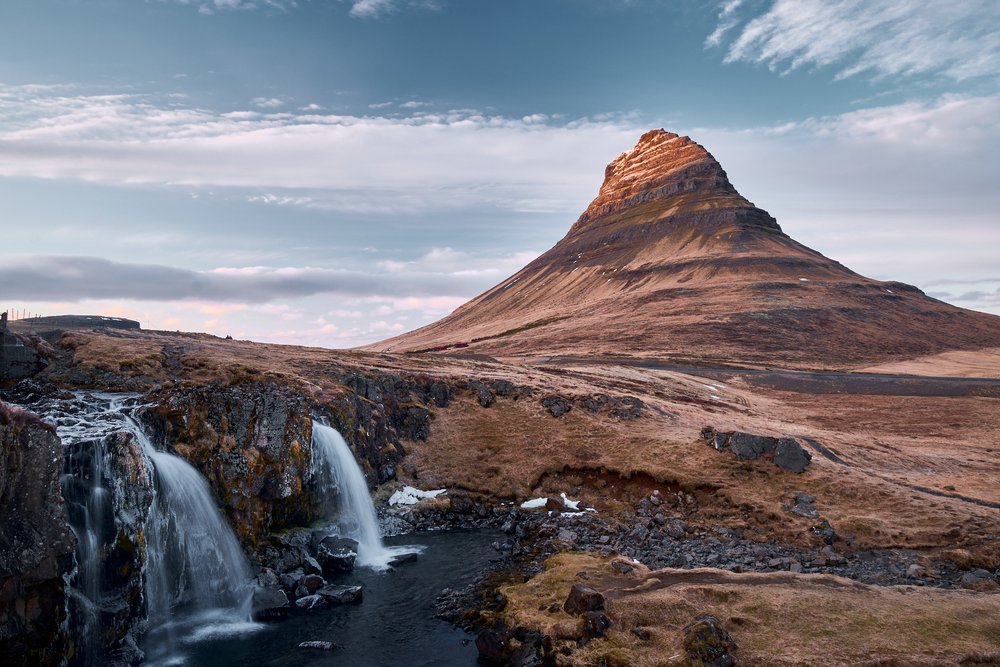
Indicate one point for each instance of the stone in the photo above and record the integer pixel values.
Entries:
(621, 567)
(556, 405)
(269, 603)
(320, 645)
(311, 566)
(290, 580)
(790, 456)
(595, 624)
(402, 559)
(493, 645)
(642, 633)
(719, 441)
(337, 554)
(309, 584)
(675, 528)
(826, 531)
(567, 536)
(267, 578)
(341, 594)
(582, 599)
(554, 504)
(707, 643)
(748, 446)
(312, 602)
(483, 393)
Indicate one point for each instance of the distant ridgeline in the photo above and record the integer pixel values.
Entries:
(75, 322)
(18, 360)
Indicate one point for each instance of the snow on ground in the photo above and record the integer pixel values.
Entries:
(411, 496)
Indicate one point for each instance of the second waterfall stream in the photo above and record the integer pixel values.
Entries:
(344, 494)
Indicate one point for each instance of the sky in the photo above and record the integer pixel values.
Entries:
(335, 172)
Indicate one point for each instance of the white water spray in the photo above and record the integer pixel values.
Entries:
(340, 481)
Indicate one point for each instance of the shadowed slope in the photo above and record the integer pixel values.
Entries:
(670, 260)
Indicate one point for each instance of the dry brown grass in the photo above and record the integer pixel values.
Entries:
(776, 619)
(517, 449)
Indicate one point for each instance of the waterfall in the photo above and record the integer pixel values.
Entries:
(196, 581)
(194, 561)
(341, 483)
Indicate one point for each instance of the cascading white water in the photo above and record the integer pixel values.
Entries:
(340, 482)
(196, 579)
(190, 541)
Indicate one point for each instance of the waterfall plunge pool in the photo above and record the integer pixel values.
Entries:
(393, 625)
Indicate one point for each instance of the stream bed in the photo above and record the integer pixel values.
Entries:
(393, 625)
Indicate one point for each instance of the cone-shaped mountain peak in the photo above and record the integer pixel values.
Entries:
(670, 261)
(662, 165)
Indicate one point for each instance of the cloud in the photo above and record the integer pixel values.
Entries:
(270, 103)
(57, 278)
(886, 38)
(367, 9)
(421, 162)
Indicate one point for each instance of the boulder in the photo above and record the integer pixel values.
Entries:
(340, 594)
(269, 603)
(595, 624)
(311, 566)
(337, 554)
(309, 584)
(493, 645)
(790, 456)
(402, 559)
(708, 644)
(290, 580)
(748, 446)
(483, 393)
(557, 405)
(312, 602)
(583, 599)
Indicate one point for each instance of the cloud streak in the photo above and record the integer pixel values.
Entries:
(438, 275)
(884, 38)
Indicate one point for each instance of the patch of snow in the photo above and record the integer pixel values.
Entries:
(572, 504)
(715, 397)
(805, 280)
(411, 496)
(890, 291)
(534, 503)
(710, 386)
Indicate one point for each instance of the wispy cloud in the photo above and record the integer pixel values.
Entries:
(418, 162)
(268, 102)
(367, 9)
(70, 279)
(885, 38)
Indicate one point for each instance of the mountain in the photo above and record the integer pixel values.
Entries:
(671, 262)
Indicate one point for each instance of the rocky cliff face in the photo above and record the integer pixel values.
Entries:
(36, 543)
(253, 441)
(669, 260)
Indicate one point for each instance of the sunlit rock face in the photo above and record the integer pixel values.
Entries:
(36, 543)
(669, 260)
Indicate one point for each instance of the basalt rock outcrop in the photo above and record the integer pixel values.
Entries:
(36, 543)
(252, 441)
(669, 260)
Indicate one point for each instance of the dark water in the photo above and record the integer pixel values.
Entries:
(393, 625)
